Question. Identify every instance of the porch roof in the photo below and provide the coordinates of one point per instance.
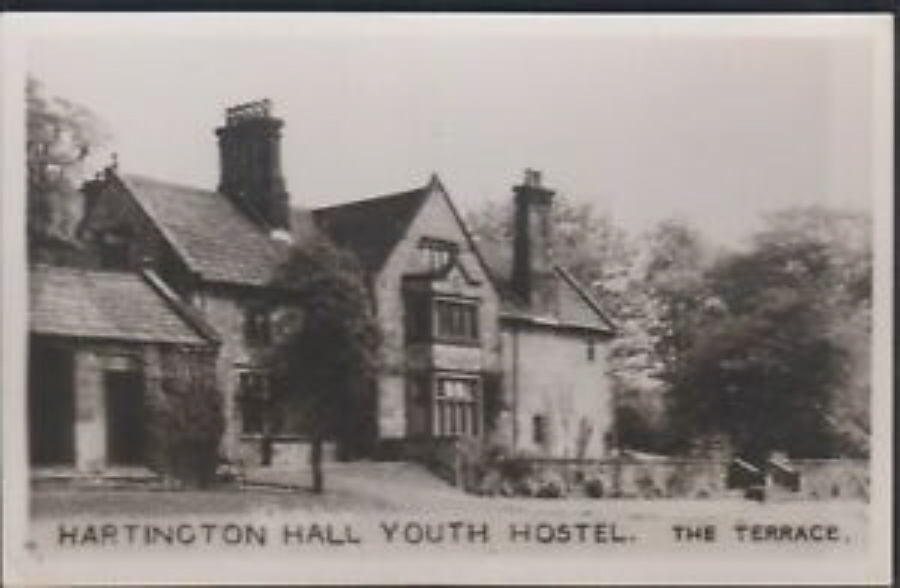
(107, 305)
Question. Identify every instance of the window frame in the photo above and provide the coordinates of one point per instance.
(423, 318)
(438, 253)
(463, 317)
(454, 417)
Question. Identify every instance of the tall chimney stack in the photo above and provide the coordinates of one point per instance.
(532, 275)
(250, 163)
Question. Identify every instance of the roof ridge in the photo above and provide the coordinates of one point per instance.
(371, 199)
(168, 183)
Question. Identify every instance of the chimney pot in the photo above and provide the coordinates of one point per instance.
(250, 156)
(532, 178)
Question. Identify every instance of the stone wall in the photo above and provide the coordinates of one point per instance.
(436, 220)
(225, 308)
(833, 479)
(440, 455)
(91, 362)
(549, 375)
(827, 479)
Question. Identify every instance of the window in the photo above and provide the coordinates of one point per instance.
(438, 253)
(591, 350)
(254, 402)
(456, 320)
(539, 429)
(258, 326)
(442, 319)
(115, 249)
(456, 410)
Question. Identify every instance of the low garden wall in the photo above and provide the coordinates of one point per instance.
(833, 478)
(467, 464)
(603, 478)
(441, 456)
(837, 479)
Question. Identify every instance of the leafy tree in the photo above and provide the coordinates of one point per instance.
(773, 369)
(326, 358)
(664, 299)
(649, 286)
(672, 277)
(186, 421)
(60, 136)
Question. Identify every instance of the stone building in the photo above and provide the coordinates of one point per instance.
(437, 308)
(516, 356)
(556, 381)
(97, 344)
(220, 251)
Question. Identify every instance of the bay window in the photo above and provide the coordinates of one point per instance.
(456, 407)
(443, 319)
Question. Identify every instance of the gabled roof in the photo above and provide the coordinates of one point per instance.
(121, 306)
(371, 228)
(574, 308)
(208, 231)
(577, 306)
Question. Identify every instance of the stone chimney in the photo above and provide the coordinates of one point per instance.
(532, 275)
(250, 163)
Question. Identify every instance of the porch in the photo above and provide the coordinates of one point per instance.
(86, 409)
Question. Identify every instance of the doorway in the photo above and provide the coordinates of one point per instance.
(51, 405)
(124, 418)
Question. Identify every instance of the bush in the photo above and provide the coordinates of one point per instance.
(647, 487)
(186, 421)
(516, 469)
(593, 487)
(550, 485)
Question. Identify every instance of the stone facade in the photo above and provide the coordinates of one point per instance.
(563, 401)
(91, 364)
(224, 307)
(439, 307)
(554, 336)
(413, 365)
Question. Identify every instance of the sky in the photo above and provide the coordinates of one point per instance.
(647, 121)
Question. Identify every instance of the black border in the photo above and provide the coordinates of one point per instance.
(491, 6)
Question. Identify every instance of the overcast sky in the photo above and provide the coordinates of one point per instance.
(653, 123)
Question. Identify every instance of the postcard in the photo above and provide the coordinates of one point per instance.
(408, 298)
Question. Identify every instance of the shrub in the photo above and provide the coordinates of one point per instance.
(186, 420)
(516, 469)
(646, 486)
(550, 485)
(593, 487)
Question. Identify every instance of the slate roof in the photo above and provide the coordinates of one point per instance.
(372, 227)
(107, 305)
(211, 234)
(575, 307)
(219, 241)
